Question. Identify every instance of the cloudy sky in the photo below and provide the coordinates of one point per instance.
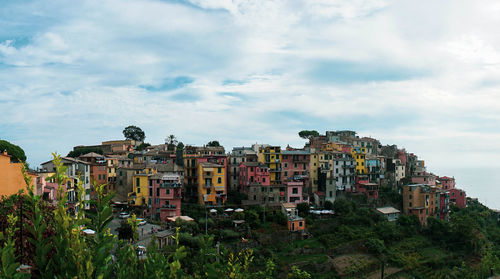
(424, 75)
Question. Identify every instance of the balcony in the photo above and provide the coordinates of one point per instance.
(209, 176)
(169, 206)
(276, 170)
(170, 185)
(209, 185)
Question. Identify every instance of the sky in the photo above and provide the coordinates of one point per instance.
(424, 75)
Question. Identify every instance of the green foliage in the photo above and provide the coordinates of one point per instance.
(343, 206)
(142, 146)
(8, 259)
(134, 133)
(296, 273)
(13, 150)
(303, 209)
(171, 142)
(328, 205)
(179, 159)
(78, 151)
(213, 143)
(308, 134)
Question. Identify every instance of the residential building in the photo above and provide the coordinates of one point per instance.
(165, 194)
(294, 192)
(391, 213)
(363, 185)
(294, 221)
(443, 204)
(253, 173)
(343, 175)
(457, 197)
(265, 195)
(271, 157)
(139, 195)
(371, 145)
(296, 165)
(238, 156)
(447, 183)
(98, 170)
(11, 177)
(193, 156)
(211, 183)
(374, 167)
(419, 200)
(359, 154)
(77, 171)
(423, 177)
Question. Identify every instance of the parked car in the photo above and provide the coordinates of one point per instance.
(124, 215)
(141, 221)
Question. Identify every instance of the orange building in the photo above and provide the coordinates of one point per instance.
(11, 177)
(419, 200)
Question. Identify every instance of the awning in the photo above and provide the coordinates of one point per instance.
(229, 210)
(239, 210)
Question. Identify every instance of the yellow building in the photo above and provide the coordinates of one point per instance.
(359, 154)
(11, 178)
(271, 157)
(314, 170)
(139, 196)
(211, 183)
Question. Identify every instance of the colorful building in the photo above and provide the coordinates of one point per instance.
(165, 194)
(271, 157)
(98, 170)
(253, 173)
(239, 155)
(296, 165)
(77, 171)
(447, 182)
(419, 200)
(294, 192)
(457, 197)
(139, 196)
(11, 177)
(359, 155)
(294, 221)
(193, 156)
(211, 183)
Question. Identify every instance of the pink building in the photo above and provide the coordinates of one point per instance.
(447, 182)
(295, 165)
(457, 197)
(294, 192)
(423, 178)
(252, 173)
(165, 194)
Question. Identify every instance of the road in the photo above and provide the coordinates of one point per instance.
(143, 231)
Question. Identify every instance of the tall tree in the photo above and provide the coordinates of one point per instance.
(134, 133)
(15, 151)
(308, 134)
(171, 141)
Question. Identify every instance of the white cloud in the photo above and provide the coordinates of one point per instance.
(423, 75)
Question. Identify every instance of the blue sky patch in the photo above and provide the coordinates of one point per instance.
(169, 84)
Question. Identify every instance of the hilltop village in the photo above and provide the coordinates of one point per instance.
(341, 206)
(158, 179)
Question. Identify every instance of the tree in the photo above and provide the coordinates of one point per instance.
(308, 134)
(171, 141)
(134, 133)
(179, 159)
(303, 209)
(84, 150)
(343, 206)
(213, 143)
(13, 150)
(328, 205)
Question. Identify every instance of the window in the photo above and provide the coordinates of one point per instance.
(263, 179)
(121, 173)
(295, 190)
(99, 177)
(150, 192)
(300, 223)
(263, 189)
(138, 189)
(286, 173)
(286, 165)
(219, 170)
(410, 205)
(219, 180)
(331, 194)
(150, 182)
(271, 190)
(167, 191)
(157, 191)
(157, 201)
(410, 197)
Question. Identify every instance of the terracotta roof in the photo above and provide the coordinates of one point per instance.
(92, 155)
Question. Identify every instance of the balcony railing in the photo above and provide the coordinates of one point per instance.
(276, 170)
(170, 185)
(169, 206)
